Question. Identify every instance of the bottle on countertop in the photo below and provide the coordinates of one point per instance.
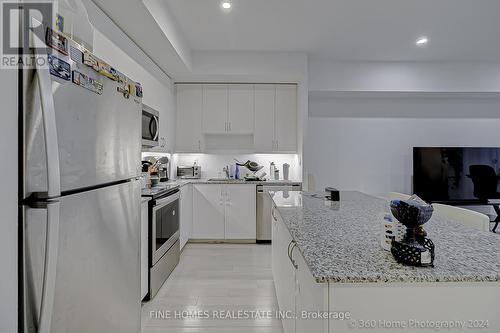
(231, 171)
(272, 170)
(286, 171)
(237, 172)
(276, 174)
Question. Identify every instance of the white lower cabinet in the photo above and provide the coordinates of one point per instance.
(240, 214)
(186, 217)
(297, 291)
(283, 273)
(373, 307)
(224, 211)
(310, 298)
(144, 248)
(208, 212)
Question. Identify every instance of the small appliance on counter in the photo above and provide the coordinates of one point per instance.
(189, 172)
(163, 168)
(414, 249)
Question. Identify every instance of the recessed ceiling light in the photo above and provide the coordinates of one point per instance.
(421, 41)
(226, 4)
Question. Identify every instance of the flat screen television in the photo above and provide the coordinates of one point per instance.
(456, 175)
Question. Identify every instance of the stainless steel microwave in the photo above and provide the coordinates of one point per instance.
(150, 126)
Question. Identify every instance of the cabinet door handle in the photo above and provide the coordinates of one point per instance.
(199, 145)
(274, 216)
(229, 126)
(225, 126)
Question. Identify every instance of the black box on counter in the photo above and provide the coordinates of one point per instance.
(333, 193)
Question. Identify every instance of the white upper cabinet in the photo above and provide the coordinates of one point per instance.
(262, 117)
(228, 109)
(286, 118)
(265, 97)
(275, 118)
(215, 109)
(189, 137)
(241, 109)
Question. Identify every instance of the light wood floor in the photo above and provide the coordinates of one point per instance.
(220, 277)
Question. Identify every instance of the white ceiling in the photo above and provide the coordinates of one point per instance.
(134, 19)
(368, 30)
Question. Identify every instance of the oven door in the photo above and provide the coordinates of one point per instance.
(150, 127)
(164, 225)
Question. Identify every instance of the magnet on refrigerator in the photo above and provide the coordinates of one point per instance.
(56, 41)
(87, 82)
(59, 68)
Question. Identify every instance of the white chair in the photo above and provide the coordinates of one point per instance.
(466, 217)
(397, 196)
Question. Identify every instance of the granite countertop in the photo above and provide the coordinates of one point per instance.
(182, 182)
(340, 242)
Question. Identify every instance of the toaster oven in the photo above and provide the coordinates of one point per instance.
(189, 172)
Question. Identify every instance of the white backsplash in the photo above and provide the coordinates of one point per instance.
(212, 164)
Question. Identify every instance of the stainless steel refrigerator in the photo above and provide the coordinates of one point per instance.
(80, 201)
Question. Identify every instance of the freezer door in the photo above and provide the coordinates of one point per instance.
(82, 262)
(97, 136)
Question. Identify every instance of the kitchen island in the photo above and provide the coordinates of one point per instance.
(327, 257)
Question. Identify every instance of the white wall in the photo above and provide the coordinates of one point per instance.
(404, 76)
(8, 202)
(212, 164)
(115, 47)
(159, 94)
(365, 143)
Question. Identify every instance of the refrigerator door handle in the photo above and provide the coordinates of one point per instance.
(48, 113)
(50, 267)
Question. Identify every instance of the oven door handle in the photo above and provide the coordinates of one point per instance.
(165, 201)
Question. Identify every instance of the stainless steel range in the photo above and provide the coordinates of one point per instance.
(163, 237)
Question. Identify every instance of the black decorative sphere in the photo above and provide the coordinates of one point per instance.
(411, 213)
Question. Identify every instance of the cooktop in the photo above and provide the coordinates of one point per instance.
(158, 190)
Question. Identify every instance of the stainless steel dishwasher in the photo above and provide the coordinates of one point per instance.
(264, 207)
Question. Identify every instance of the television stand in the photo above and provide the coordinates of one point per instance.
(496, 207)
